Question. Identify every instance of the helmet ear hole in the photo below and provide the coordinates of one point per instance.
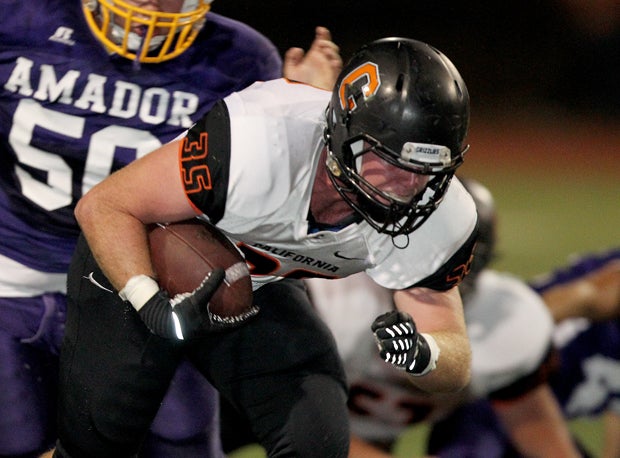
(398, 95)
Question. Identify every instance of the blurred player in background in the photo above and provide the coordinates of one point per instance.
(584, 298)
(510, 330)
(87, 87)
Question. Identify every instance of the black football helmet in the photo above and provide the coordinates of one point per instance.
(404, 101)
(484, 251)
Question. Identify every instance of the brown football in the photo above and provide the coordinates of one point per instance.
(183, 253)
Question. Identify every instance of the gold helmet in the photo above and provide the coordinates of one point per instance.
(143, 35)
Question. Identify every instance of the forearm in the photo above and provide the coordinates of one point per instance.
(440, 315)
(570, 300)
(118, 240)
(536, 425)
(113, 214)
(453, 365)
(596, 296)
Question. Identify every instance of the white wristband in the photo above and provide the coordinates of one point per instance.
(138, 290)
(434, 348)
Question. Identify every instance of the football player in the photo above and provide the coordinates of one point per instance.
(583, 297)
(513, 403)
(309, 183)
(87, 87)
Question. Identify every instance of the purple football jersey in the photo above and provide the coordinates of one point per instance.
(72, 114)
(589, 378)
(588, 381)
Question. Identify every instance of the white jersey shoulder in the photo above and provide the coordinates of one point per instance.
(510, 329)
(276, 135)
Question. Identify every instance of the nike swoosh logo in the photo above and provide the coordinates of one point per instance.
(341, 256)
(91, 279)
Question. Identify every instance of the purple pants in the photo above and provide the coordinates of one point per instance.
(31, 331)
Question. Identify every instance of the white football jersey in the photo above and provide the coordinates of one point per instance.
(508, 324)
(276, 137)
(510, 329)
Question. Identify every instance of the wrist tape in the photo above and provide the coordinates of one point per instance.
(138, 290)
(426, 357)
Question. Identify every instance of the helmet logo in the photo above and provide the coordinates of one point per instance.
(366, 76)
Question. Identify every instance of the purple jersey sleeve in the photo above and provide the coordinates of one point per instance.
(580, 267)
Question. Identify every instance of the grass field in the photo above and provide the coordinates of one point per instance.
(556, 181)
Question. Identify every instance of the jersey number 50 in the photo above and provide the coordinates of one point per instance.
(53, 189)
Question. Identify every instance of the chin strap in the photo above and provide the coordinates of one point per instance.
(136, 62)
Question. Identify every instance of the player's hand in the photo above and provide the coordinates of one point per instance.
(595, 296)
(187, 315)
(319, 67)
(401, 345)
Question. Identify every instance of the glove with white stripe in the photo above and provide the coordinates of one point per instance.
(183, 316)
(401, 345)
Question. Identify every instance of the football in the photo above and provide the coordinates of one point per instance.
(183, 253)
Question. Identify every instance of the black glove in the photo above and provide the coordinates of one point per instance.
(401, 345)
(188, 316)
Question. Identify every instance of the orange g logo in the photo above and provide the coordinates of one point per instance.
(368, 75)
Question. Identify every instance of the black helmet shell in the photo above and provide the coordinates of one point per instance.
(408, 104)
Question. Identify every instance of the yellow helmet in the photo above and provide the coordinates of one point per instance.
(143, 35)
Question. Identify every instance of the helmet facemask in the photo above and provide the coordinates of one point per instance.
(386, 211)
(143, 35)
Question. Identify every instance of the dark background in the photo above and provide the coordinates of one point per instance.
(509, 52)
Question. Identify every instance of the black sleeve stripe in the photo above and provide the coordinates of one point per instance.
(205, 162)
(454, 270)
